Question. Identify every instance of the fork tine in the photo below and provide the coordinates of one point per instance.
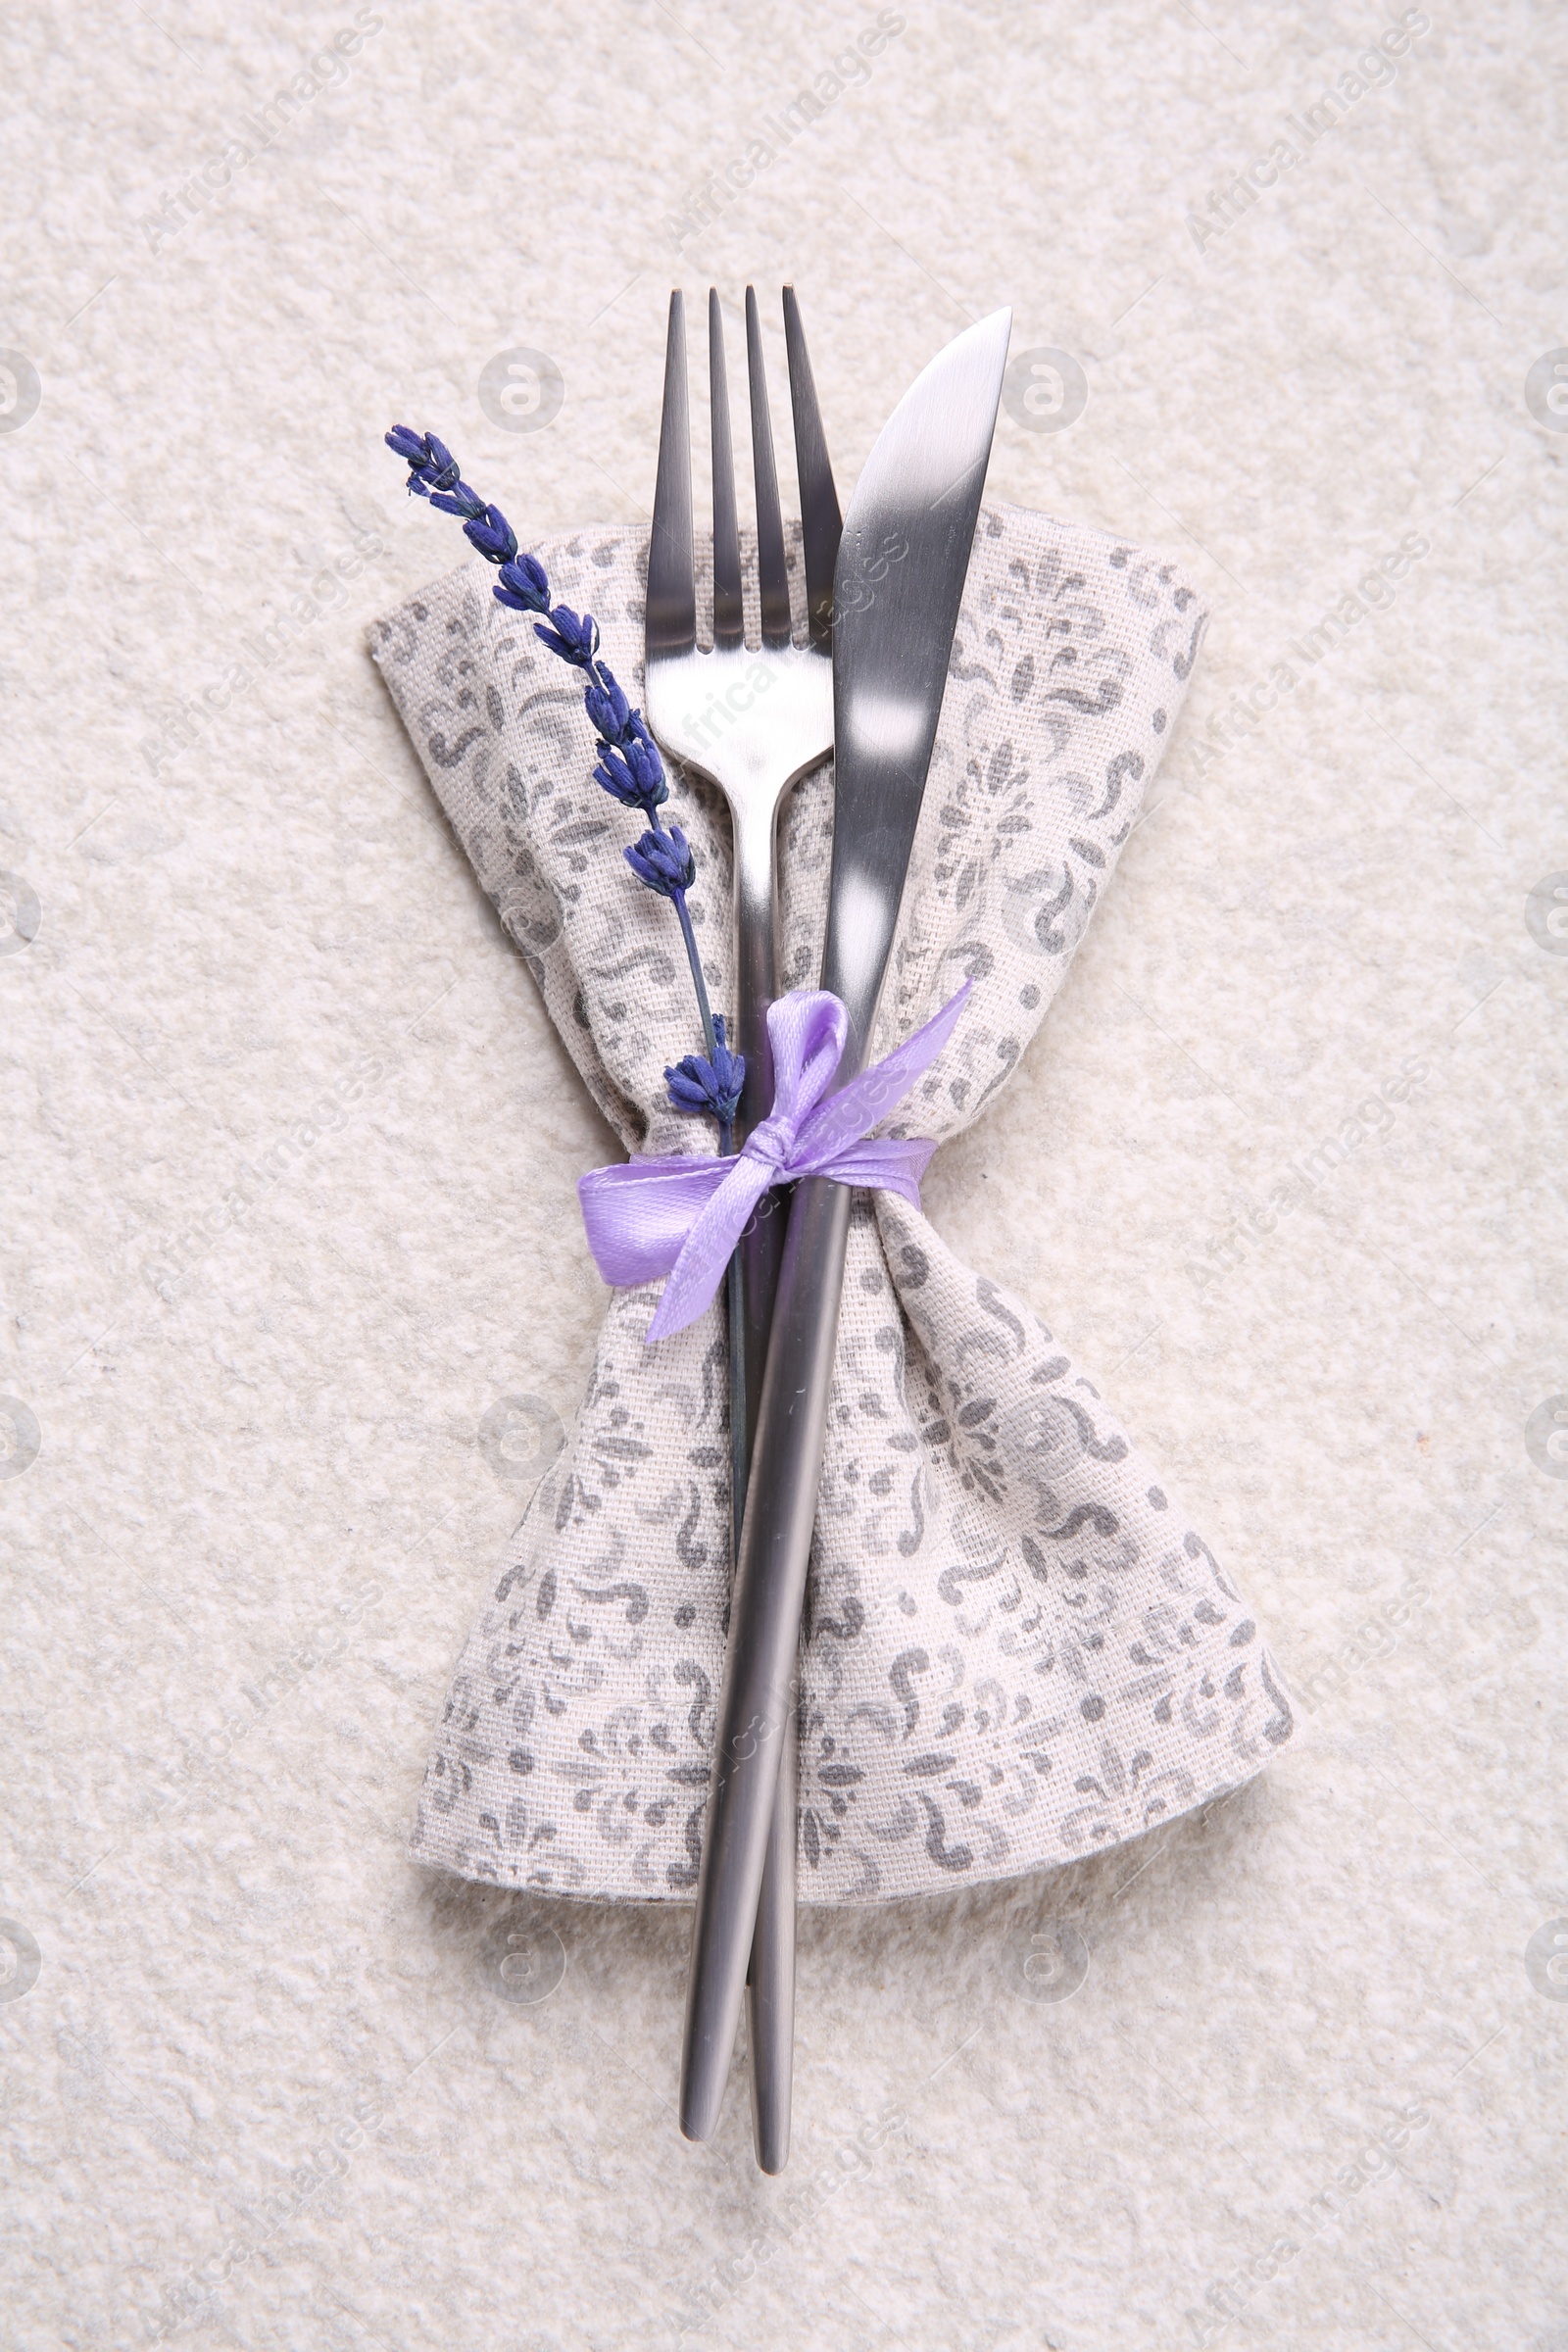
(671, 624)
(728, 624)
(821, 524)
(772, 578)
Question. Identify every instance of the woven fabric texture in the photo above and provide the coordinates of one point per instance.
(1018, 1647)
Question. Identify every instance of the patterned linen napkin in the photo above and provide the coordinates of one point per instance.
(1018, 1648)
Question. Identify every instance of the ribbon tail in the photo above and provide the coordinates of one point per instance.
(638, 1214)
(700, 1267)
(845, 1117)
(884, 1164)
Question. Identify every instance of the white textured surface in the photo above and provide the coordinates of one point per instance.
(240, 1564)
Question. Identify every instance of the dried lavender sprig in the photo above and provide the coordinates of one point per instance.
(630, 770)
(629, 767)
(638, 777)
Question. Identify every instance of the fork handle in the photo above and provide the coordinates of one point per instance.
(770, 1976)
(759, 1689)
(761, 1245)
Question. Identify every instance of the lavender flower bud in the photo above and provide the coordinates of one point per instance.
(460, 500)
(524, 585)
(408, 445)
(700, 1084)
(442, 470)
(635, 776)
(617, 778)
(607, 708)
(572, 639)
(663, 861)
(493, 535)
(640, 755)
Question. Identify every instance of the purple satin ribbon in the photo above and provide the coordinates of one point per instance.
(683, 1217)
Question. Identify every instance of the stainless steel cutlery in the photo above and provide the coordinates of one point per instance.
(882, 597)
(898, 582)
(754, 721)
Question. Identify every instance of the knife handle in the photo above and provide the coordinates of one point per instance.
(759, 1694)
(770, 1978)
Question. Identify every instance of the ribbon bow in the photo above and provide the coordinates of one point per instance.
(683, 1217)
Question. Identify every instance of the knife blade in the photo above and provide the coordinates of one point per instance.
(899, 576)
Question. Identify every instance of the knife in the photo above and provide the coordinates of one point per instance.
(896, 587)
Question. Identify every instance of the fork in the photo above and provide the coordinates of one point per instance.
(754, 723)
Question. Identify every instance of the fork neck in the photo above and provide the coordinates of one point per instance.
(755, 954)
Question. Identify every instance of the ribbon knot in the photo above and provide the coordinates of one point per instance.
(772, 1143)
(683, 1217)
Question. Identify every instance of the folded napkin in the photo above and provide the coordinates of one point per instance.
(1018, 1647)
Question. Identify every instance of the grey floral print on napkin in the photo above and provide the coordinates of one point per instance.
(1018, 1649)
